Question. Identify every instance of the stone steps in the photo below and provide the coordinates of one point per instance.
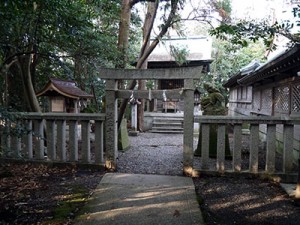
(166, 125)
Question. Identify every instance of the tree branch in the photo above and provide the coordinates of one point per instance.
(148, 51)
(147, 36)
(163, 31)
(133, 2)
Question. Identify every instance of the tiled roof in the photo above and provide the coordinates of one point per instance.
(285, 64)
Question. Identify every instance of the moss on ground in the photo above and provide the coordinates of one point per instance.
(70, 204)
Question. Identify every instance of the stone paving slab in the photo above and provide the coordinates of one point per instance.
(132, 199)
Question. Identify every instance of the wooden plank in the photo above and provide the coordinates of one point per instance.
(5, 137)
(247, 119)
(271, 149)
(205, 146)
(16, 142)
(51, 139)
(39, 139)
(254, 142)
(288, 138)
(221, 149)
(16, 146)
(64, 116)
(28, 139)
(73, 140)
(61, 140)
(99, 142)
(151, 74)
(86, 146)
(237, 148)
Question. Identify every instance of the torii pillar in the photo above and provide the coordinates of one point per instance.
(112, 93)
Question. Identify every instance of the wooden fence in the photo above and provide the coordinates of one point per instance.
(65, 137)
(55, 137)
(235, 123)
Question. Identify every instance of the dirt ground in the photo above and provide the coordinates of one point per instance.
(245, 200)
(39, 194)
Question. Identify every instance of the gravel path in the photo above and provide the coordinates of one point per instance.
(152, 153)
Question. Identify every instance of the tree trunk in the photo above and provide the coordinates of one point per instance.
(147, 51)
(123, 37)
(148, 25)
(124, 33)
(24, 65)
(78, 69)
(81, 74)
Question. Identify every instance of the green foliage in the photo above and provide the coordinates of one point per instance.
(150, 84)
(10, 126)
(229, 58)
(90, 109)
(226, 6)
(180, 54)
(10, 123)
(244, 32)
(59, 32)
(223, 7)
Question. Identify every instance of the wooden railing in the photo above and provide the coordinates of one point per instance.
(56, 137)
(65, 137)
(270, 123)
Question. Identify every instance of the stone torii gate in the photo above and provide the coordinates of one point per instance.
(112, 76)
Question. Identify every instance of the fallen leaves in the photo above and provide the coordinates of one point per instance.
(30, 192)
(176, 213)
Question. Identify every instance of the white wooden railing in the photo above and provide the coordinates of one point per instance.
(57, 137)
(270, 123)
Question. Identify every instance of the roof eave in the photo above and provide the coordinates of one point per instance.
(232, 81)
(51, 87)
(269, 69)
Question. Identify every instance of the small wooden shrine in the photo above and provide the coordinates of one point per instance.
(64, 96)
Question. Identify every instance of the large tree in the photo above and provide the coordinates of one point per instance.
(147, 28)
(172, 7)
(39, 39)
(241, 32)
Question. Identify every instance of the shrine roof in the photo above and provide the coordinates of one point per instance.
(197, 49)
(283, 65)
(65, 88)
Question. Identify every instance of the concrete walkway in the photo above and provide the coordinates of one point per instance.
(133, 199)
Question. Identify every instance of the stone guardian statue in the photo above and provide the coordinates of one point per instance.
(213, 104)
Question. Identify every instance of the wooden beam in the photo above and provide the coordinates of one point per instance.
(151, 74)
